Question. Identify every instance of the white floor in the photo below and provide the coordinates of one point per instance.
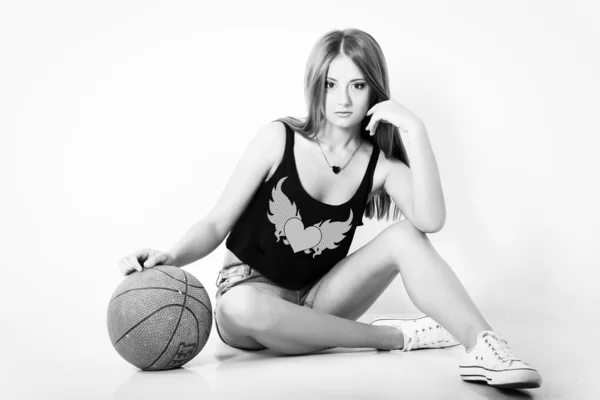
(89, 368)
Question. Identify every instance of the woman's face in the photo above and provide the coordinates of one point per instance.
(346, 90)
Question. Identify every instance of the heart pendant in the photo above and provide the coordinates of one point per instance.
(335, 169)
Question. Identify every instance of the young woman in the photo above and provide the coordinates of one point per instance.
(291, 208)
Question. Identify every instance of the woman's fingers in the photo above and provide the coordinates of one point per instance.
(129, 263)
(372, 109)
(157, 258)
(124, 266)
(148, 257)
(133, 262)
(152, 261)
(374, 129)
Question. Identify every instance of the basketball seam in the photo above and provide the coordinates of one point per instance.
(176, 326)
(162, 288)
(178, 280)
(197, 333)
(144, 319)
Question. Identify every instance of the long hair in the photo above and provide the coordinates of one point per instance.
(366, 53)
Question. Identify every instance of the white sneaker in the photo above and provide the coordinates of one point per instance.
(492, 362)
(419, 333)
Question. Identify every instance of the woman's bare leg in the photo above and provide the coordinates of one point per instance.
(292, 329)
(349, 290)
(251, 321)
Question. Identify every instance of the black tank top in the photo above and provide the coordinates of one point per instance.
(288, 236)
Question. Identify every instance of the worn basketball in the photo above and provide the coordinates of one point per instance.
(160, 318)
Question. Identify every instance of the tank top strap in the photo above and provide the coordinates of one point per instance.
(289, 142)
(371, 167)
(363, 196)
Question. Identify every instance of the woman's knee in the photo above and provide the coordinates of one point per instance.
(242, 307)
(402, 233)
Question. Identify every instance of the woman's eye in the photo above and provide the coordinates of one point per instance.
(360, 85)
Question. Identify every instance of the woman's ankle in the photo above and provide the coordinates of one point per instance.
(391, 338)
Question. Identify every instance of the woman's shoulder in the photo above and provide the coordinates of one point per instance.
(273, 139)
(275, 135)
(271, 133)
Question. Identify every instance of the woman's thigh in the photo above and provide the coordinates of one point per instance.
(348, 290)
(233, 331)
(351, 287)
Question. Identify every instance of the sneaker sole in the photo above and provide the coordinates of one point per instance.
(394, 318)
(412, 319)
(517, 379)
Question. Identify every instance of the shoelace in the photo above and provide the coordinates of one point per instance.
(500, 348)
(424, 337)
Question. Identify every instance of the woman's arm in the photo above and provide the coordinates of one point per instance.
(428, 208)
(199, 240)
(428, 198)
(251, 170)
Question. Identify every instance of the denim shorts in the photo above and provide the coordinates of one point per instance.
(239, 273)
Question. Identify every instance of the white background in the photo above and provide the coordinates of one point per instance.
(121, 121)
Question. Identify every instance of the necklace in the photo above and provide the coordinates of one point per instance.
(336, 169)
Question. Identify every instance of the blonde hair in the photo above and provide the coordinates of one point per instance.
(366, 53)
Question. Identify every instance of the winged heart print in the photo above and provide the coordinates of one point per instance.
(285, 216)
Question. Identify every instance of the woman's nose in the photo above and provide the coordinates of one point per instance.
(344, 98)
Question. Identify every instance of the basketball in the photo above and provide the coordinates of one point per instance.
(160, 318)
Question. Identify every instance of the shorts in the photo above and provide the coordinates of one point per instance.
(239, 273)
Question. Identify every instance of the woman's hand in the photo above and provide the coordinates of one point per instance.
(148, 257)
(394, 113)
